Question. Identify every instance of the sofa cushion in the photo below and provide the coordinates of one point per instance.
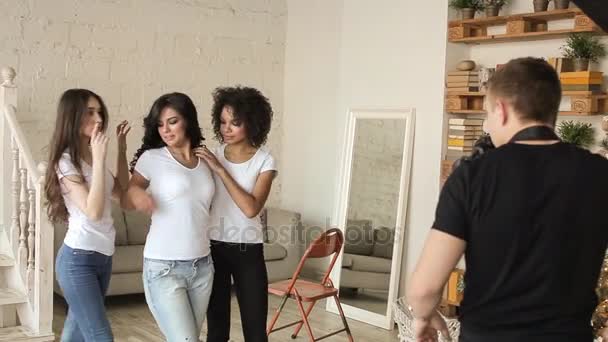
(347, 260)
(384, 239)
(119, 224)
(128, 259)
(281, 226)
(138, 225)
(358, 237)
(274, 252)
(363, 263)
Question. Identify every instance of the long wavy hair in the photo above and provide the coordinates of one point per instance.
(182, 104)
(73, 106)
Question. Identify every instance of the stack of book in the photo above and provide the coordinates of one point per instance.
(462, 81)
(462, 134)
(583, 81)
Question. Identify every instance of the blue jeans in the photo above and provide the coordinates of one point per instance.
(177, 293)
(84, 277)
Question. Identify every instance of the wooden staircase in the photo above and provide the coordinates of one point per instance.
(26, 236)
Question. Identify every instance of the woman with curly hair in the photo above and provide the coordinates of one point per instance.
(244, 171)
(173, 185)
(78, 187)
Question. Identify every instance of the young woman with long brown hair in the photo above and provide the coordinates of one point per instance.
(78, 189)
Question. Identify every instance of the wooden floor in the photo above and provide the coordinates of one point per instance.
(132, 322)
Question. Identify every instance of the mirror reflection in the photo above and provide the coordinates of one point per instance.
(372, 213)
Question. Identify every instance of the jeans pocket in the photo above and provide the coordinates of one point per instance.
(156, 270)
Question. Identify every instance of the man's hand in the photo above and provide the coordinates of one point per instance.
(425, 330)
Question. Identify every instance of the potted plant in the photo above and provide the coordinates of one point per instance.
(583, 48)
(492, 7)
(561, 4)
(577, 133)
(467, 7)
(604, 147)
(541, 5)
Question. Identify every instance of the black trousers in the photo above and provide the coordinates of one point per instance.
(245, 263)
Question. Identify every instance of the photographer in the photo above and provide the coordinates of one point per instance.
(528, 216)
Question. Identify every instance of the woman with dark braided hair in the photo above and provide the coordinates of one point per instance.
(171, 183)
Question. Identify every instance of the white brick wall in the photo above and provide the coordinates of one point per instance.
(376, 171)
(132, 51)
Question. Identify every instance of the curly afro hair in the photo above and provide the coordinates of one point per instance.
(249, 106)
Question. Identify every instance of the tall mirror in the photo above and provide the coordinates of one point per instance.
(371, 212)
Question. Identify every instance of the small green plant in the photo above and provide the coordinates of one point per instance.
(583, 46)
(577, 133)
(497, 3)
(477, 5)
(460, 284)
(604, 144)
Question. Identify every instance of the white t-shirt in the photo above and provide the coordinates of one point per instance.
(183, 199)
(84, 233)
(229, 223)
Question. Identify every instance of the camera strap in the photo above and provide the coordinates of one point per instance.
(535, 133)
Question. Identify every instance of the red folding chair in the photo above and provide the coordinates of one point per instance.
(325, 245)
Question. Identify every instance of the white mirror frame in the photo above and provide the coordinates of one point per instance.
(341, 209)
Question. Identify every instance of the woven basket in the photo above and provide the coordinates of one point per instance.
(404, 319)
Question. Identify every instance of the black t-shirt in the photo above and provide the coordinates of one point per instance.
(535, 220)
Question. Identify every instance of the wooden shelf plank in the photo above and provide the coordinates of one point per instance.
(594, 95)
(501, 20)
(528, 36)
(571, 113)
(483, 112)
(564, 93)
(465, 93)
(468, 111)
(483, 21)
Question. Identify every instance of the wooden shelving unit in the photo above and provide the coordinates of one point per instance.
(519, 27)
(583, 103)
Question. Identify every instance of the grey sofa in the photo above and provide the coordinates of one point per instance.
(367, 259)
(281, 254)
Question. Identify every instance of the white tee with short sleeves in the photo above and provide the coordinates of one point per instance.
(84, 233)
(179, 229)
(229, 223)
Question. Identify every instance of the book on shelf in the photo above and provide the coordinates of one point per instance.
(473, 136)
(461, 142)
(584, 93)
(581, 74)
(465, 122)
(459, 129)
(452, 157)
(460, 148)
(581, 80)
(462, 89)
(462, 84)
(462, 78)
(597, 88)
